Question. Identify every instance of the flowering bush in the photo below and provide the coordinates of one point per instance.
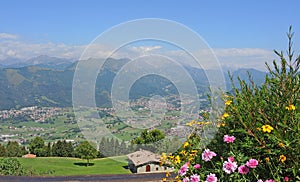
(258, 137)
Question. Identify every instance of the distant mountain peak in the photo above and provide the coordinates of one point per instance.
(43, 61)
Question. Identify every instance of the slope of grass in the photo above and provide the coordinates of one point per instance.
(55, 166)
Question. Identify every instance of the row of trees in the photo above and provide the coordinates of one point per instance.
(148, 140)
(12, 149)
(84, 150)
(38, 147)
(107, 147)
(59, 149)
(112, 147)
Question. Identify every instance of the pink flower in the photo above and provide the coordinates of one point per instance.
(228, 139)
(286, 178)
(195, 178)
(260, 180)
(270, 180)
(231, 159)
(252, 163)
(243, 169)
(197, 166)
(182, 171)
(207, 155)
(229, 167)
(186, 179)
(211, 178)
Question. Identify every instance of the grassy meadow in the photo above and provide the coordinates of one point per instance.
(57, 166)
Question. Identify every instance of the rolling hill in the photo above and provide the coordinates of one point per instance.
(49, 83)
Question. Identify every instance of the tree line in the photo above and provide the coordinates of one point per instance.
(12, 149)
(148, 140)
(37, 146)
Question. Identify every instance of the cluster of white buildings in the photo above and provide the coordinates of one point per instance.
(37, 114)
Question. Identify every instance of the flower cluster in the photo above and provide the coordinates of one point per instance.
(229, 167)
(189, 172)
(290, 107)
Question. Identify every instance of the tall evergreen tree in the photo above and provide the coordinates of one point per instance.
(116, 145)
(23, 150)
(48, 150)
(123, 148)
(102, 147)
(13, 149)
(69, 149)
(2, 151)
(56, 149)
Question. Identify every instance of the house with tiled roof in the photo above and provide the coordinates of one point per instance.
(144, 161)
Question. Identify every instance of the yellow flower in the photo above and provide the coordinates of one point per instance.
(267, 128)
(191, 158)
(282, 158)
(177, 159)
(183, 152)
(185, 144)
(225, 115)
(200, 123)
(222, 124)
(281, 144)
(164, 156)
(228, 102)
(168, 174)
(267, 159)
(191, 123)
(291, 107)
(192, 155)
(171, 157)
(188, 124)
(194, 151)
(164, 179)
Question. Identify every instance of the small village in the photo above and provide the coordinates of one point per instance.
(25, 123)
(35, 113)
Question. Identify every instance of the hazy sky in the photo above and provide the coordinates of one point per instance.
(239, 31)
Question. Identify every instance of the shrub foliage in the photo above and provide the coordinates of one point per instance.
(263, 123)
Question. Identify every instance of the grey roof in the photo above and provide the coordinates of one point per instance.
(142, 157)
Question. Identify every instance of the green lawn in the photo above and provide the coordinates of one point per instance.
(55, 166)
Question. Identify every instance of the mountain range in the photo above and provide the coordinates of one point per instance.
(42, 61)
(47, 81)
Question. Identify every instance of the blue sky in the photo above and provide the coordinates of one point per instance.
(229, 24)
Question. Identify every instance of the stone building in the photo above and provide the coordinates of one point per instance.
(144, 161)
